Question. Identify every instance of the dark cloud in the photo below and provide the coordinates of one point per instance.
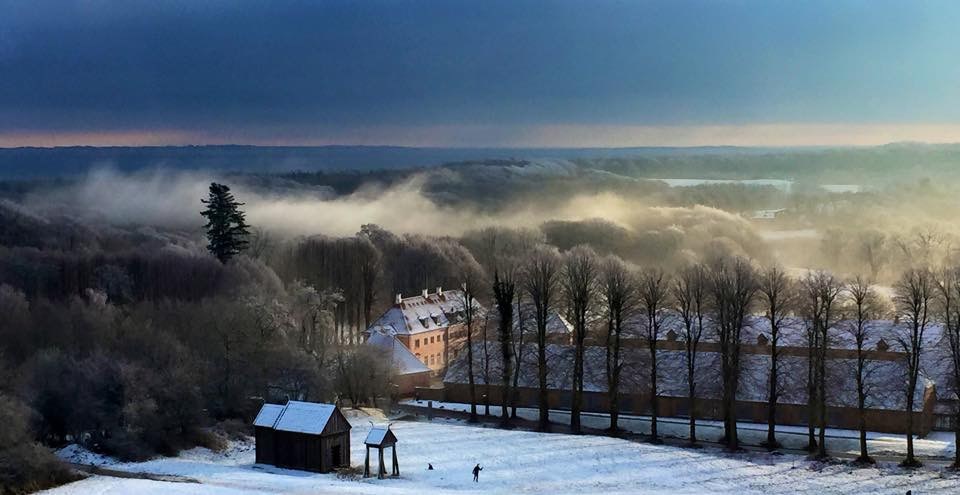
(270, 66)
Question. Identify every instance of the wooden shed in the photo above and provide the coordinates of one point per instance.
(302, 435)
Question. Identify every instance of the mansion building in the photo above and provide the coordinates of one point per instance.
(430, 325)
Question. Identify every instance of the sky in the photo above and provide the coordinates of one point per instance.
(479, 73)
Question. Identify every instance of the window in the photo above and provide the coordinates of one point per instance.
(431, 359)
(431, 340)
(416, 344)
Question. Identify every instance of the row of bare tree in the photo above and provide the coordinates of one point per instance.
(604, 298)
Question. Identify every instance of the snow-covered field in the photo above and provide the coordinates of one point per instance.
(517, 462)
(936, 445)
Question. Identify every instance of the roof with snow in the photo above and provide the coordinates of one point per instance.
(297, 417)
(380, 436)
(793, 332)
(423, 313)
(268, 415)
(404, 361)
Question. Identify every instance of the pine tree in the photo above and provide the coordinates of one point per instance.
(226, 226)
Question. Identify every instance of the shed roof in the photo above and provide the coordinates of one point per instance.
(297, 417)
(380, 436)
(268, 415)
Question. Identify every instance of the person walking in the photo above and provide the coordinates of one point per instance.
(476, 473)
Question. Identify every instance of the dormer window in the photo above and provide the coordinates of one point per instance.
(762, 339)
(882, 346)
(672, 336)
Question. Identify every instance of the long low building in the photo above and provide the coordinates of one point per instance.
(886, 378)
(408, 372)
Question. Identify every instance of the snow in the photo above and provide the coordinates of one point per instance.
(79, 455)
(404, 361)
(419, 314)
(519, 462)
(376, 435)
(304, 417)
(268, 415)
(937, 444)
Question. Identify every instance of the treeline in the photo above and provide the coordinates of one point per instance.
(607, 300)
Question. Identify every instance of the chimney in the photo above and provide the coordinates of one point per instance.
(424, 293)
(439, 291)
(399, 299)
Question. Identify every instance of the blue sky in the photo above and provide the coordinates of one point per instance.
(479, 73)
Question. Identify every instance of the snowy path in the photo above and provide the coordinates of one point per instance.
(521, 462)
(938, 445)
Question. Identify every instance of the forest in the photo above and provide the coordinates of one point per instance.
(123, 330)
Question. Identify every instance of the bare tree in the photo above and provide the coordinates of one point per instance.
(873, 249)
(619, 290)
(518, 349)
(820, 291)
(864, 306)
(732, 289)
(914, 295)
(579, 280)
(653, 293)
(777, 297)
(540, 281)
(470, 322)
(503, 291)
(689, 296)
(948, 288)
(486, 364)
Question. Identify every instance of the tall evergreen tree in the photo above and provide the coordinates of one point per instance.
(226, 227)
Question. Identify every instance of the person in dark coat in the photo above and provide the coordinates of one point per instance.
(476, 473)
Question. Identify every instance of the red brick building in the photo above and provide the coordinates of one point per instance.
(430, 325)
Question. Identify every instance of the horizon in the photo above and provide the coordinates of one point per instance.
(799, 147)
(499, 74)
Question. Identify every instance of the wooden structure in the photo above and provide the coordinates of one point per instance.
(381, 438)
(302, 435)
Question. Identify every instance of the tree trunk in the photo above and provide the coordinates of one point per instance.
(577, 387)
(772, 399)
(615, 386)
(654, 394)
(544, 419)
(910, 461)
(822, 398)
(956, 440)
(470, 380)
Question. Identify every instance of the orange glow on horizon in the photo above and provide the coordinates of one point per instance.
(543, 136)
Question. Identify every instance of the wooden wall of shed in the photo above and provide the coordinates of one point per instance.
(310, 452)
(337, 424)
(327, 445)
(264, 444)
